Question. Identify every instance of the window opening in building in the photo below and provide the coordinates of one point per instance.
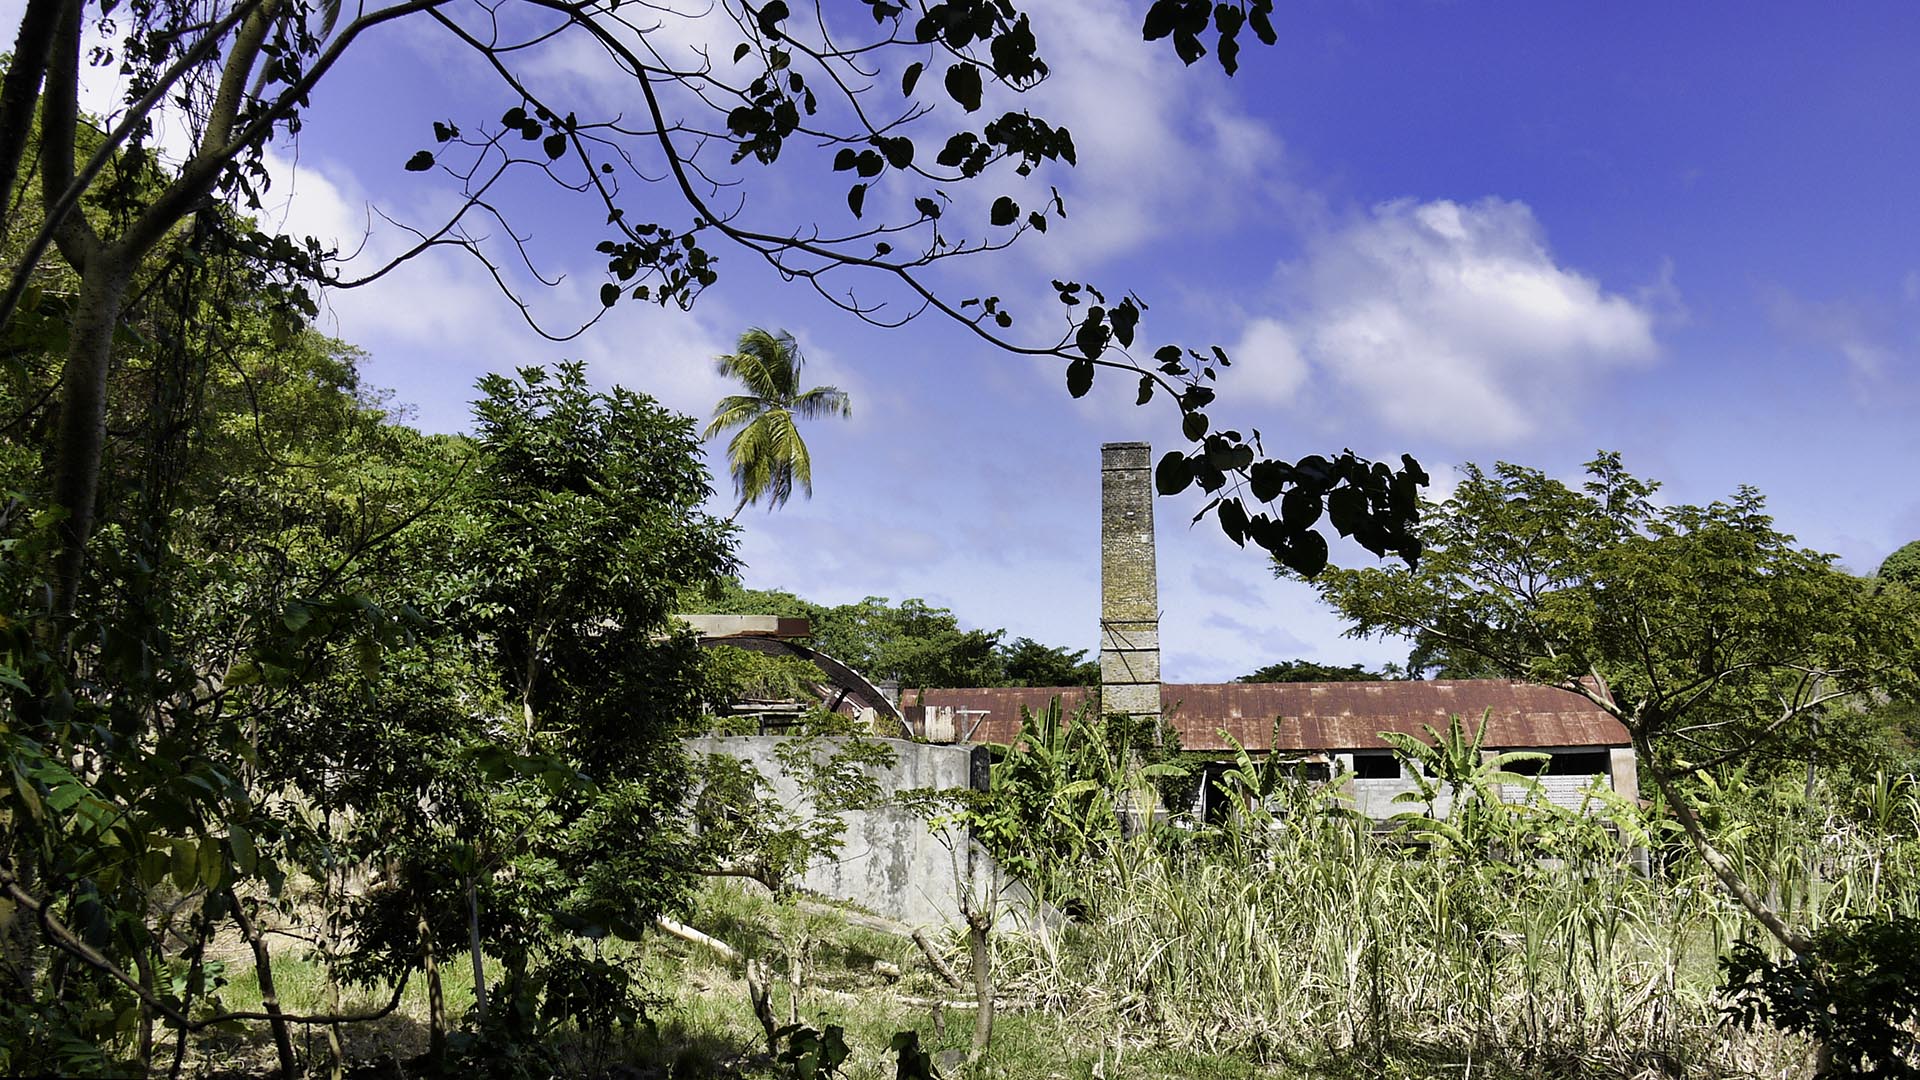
(1376, 767)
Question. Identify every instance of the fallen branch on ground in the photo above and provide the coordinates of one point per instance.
(689, 934)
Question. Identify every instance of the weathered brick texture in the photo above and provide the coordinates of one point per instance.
(1129, 589)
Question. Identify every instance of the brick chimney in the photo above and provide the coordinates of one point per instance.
(1129, 589)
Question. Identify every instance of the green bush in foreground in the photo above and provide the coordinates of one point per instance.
(1857, 992)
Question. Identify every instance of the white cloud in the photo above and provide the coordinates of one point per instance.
(1448, 321)
(1874, 337)
(1155, 143)
(1267, 361)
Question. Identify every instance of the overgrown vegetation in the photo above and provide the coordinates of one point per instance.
(915, 643)
(328, 742)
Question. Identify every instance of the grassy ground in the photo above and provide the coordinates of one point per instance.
(704, 1026)
(871, 985)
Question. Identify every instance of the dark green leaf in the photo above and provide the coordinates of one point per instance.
(1347, 509)
(1306, 555)
(1300, 510)
(1268, 477)
(1233, 521)
(911, 78)
(555, 145)
(856, 198)
(1091, 338)
(1173, 474)
(1124, 318)
(421, 161)
(1079, 377)
(1160, 19)
(963, 85)
(771, 13)
(1260, 18)
(1004, 211)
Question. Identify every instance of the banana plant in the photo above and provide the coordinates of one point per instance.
(1452, 765)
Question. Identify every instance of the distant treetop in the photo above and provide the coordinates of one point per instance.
(1903, 565)
(1308, 671)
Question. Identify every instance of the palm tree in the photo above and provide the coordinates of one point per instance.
(767, 454)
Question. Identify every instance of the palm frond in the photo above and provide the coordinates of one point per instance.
(822, 401)
(732, 411)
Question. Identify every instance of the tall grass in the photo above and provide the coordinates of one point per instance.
(1307, 938)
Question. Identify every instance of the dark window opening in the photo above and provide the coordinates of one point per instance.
(1580, 763)
(1376, 767)
(1312, 772)
(1570, 763)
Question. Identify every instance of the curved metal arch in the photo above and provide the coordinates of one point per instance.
(843, 678)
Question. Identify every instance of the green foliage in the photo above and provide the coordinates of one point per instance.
(737, 675)
(1290, 671)
(1702, 628)
(1903, 565)
(922, 646)
(1856, 993)
(1065, 788)
(1450, 768)
(914, 642)
(913, 1063)
(767, 456)
(811, 1054)
(748, 832)
(1026, 662)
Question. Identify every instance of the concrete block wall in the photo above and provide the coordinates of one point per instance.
(891, 862)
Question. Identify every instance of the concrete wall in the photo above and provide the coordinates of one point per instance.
(891, 862)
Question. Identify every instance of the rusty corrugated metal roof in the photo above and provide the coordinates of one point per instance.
(1321, 716)
(1002, 705)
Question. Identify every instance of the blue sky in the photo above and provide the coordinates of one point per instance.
(1470, 231)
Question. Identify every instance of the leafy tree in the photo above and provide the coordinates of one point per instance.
(767, 455)
(1705, 631)
(738, 675)
(1308, 671)
(915, 642)
(1026, 662)
(1903, 565)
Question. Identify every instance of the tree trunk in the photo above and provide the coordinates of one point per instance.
(436, 997)
(329, 951)
(1717, 861)
(143, 966)
(473, 947)
(21, 91)
(269, 998)
(978, 926)
(761, 996)
(82, 436)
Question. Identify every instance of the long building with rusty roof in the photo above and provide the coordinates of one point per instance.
(1333, 725)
